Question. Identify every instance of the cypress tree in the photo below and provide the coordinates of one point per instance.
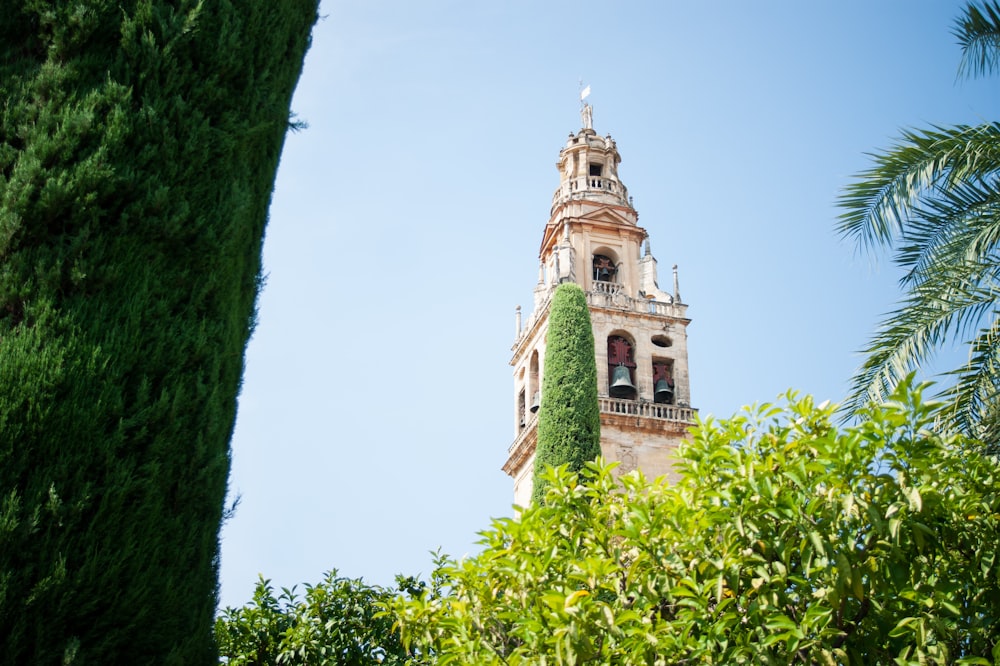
(139, 141)
(569, 419)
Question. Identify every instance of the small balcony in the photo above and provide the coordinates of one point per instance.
(596, 188)
(647, 410)
(639, 408)
(607, 295)
(605, 288)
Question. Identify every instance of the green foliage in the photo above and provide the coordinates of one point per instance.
(339, 622)
(785, 541)
(138, 145)
(978, 33)
(935, 198)
(569, 419)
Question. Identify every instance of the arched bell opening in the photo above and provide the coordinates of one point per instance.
(604, 269)
(663, 382)
(621, 368)
(521, 417)
(534, 383)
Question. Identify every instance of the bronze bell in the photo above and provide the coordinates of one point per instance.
(663, 392)
(535, 402)
(621, 383)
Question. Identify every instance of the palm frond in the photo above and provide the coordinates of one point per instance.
(944, 305)
(951, 226)
(975, 397)
(881, 201)
(978, 33)
(934, 198)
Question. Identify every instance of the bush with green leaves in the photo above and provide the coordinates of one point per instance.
(339, 622)
(569, 419)
(139, 141)
(785, 541)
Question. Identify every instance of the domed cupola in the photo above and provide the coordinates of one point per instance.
(588, 168)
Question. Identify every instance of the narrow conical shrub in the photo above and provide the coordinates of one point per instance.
(139, 141)
(569, 420)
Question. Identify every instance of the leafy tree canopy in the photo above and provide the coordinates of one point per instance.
(785, 541)
(337, 622)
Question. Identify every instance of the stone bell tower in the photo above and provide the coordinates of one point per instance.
(640, 332)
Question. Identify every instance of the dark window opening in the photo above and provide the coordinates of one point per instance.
(595, 169)
(621, 368)
(536, 398)
(663, 382)
(520, 411)
(662, 341)
(604, 268)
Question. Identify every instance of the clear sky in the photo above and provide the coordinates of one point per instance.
(377, 402)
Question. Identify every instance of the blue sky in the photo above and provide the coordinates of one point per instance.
(405, 223)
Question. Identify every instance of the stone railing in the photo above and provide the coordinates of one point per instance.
(640, 408)
(608, 297)
(577, 188)
(539, 310)
(648, 410)
(529, 423)
(606, 288)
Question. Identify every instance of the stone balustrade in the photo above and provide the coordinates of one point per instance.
(526, 429)
(606, 288)
(647, 410)
(640, 408)
(608, 295)
(581, 187)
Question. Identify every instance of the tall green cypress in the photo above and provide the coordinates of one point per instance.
(569, 418)
(139, 141)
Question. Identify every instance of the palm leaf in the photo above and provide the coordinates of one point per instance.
(946, 304)
(953, 226)
(882, 200)
(978, 33)
(975, 396)
(934, 197)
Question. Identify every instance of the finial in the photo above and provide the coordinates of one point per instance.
(647, 247)
(677, 289)
(586, 110)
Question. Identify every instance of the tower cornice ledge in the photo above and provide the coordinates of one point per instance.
(576, 216)
(522, 449)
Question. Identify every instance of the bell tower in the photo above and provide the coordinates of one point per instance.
(593, 238)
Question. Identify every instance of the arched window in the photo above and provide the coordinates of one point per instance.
(663, 382)
(621, 368)
(604, 268)
(534, 383)
(521, 417)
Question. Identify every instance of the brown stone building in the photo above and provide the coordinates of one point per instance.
(640, 332)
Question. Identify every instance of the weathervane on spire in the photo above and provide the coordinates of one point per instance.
(586, 110)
